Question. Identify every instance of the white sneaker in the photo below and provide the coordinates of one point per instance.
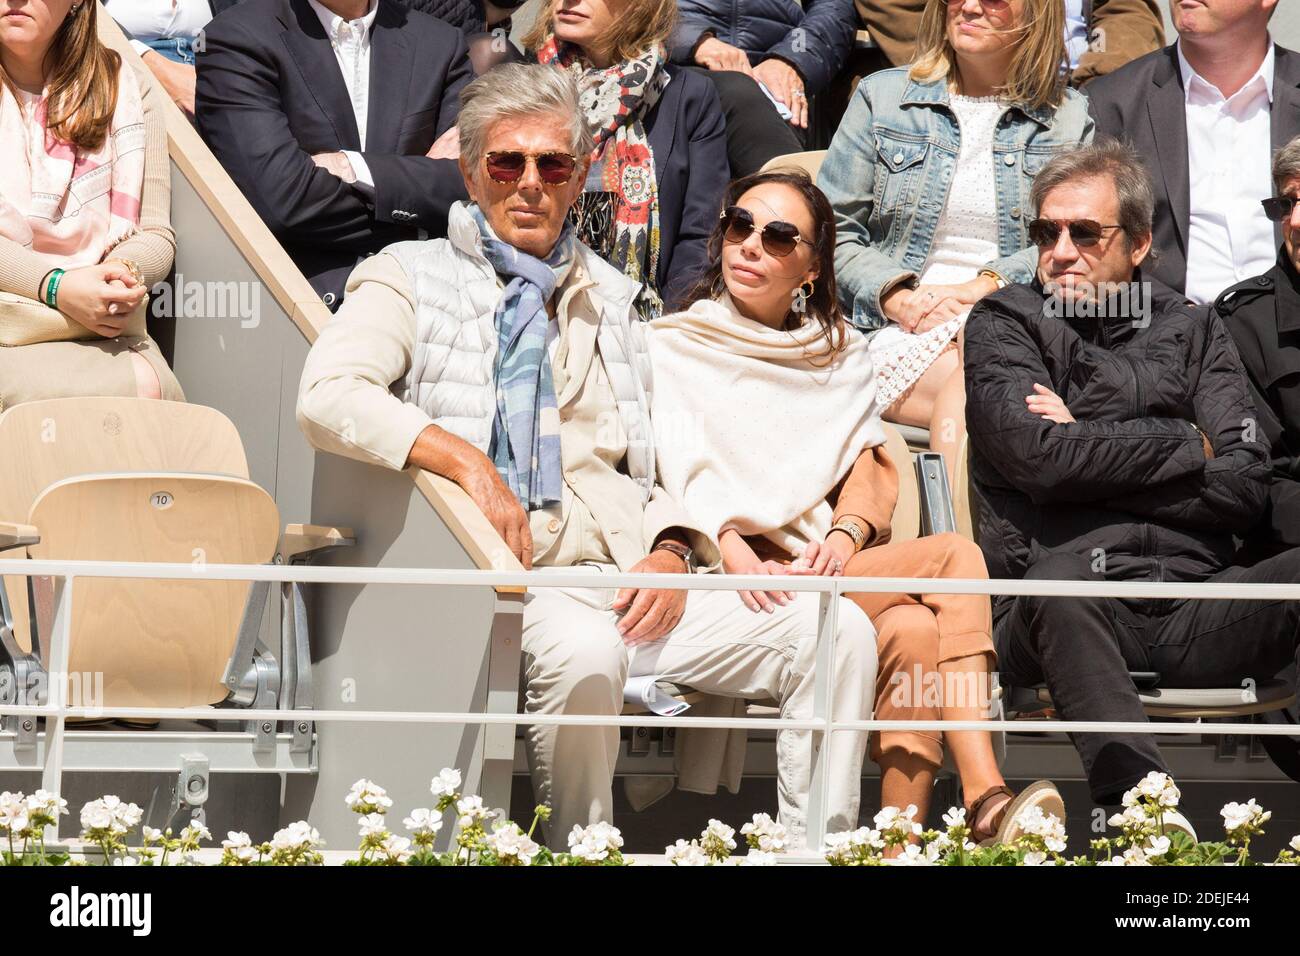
(1175, 821)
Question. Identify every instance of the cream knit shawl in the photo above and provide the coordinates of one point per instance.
(753, 426)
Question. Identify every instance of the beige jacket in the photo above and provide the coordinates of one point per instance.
(346, 406)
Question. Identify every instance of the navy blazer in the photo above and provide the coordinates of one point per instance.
(687, 135)
(270, 95)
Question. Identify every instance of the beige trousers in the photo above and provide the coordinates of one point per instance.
(576, 663)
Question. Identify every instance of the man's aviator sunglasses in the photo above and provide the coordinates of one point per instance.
(508, 165)
(779, 238)
(1083, 232)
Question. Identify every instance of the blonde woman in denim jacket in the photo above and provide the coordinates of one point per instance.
(929, 174)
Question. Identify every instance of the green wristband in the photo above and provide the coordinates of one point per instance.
(52, 289)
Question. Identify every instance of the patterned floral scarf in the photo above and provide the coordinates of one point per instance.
(616, 101)
(526, 428)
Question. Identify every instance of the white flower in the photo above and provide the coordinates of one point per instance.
(368, 797)
(126, 861)
(1035, 859)
(899, 822)
(194, 833)
(1046, 826)
(682, 853)
(852, 844)
(1157, 846)
(1237, 816)
(764, 833)
(446, 783)
(95, 816)
(912, 855)
(758, 858)
(1134, 856)
(718, 839)
(936, 847)
(13, 812)
(397, 849)
(470, 810)
(423, 821)
(240, 846)
(512, 845)
(596, 842)
(46, 803)
(955, 817)
(299, 835)
(1295, 843)
(372, 825)
(150, 834)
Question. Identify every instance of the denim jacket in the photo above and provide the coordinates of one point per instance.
(888, 171)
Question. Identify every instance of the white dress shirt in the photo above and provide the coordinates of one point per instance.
(159, 19)
(1229, 151)
(351, 42)
(1076, 32)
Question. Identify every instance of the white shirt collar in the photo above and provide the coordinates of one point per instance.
(1190, 75)
(332, 22)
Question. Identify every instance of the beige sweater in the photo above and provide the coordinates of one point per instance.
(152, 248)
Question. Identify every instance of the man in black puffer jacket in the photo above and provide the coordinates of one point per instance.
(1113, 438)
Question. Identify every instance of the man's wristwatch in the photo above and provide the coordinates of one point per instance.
(679, 549)
(998, 281)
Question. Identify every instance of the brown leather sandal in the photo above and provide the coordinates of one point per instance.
(1040, 793)
(982, 836)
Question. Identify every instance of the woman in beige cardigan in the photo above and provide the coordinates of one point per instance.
(84, 202)
(767, 430)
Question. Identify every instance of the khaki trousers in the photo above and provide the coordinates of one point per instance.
(576, 663)
(918, 632)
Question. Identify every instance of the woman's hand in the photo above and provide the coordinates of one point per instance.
(784, 82)
(739, 558)
(830, 557)
(100, 297)
(716, 55)
(1047, 404)
(930, 305)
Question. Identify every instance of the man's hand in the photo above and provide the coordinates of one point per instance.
(1047, 404)
(337, 164)
(651, 613)
(716, 55)
(177, 79)
(446, 146)
(498, 503)
(785, 83)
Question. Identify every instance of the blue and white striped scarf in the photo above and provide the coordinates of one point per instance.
(526, 429)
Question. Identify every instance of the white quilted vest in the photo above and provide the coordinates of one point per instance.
(452, 368)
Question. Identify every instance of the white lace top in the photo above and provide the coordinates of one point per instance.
(966, 239)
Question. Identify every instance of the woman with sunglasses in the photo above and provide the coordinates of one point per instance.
(768, 431)
(660, 161)
(929, 174)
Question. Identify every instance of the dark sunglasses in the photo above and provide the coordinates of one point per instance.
(1083, 232)
(1278, 208)
(554, 169)
(779, 238)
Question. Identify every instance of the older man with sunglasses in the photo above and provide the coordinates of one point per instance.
(1113, 439)
(507, 357)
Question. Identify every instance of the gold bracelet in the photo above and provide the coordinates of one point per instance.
(853, 531)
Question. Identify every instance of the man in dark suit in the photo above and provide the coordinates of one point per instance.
(324, 112)
(1206, 114)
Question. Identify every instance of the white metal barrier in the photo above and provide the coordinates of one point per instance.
(57, 711)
